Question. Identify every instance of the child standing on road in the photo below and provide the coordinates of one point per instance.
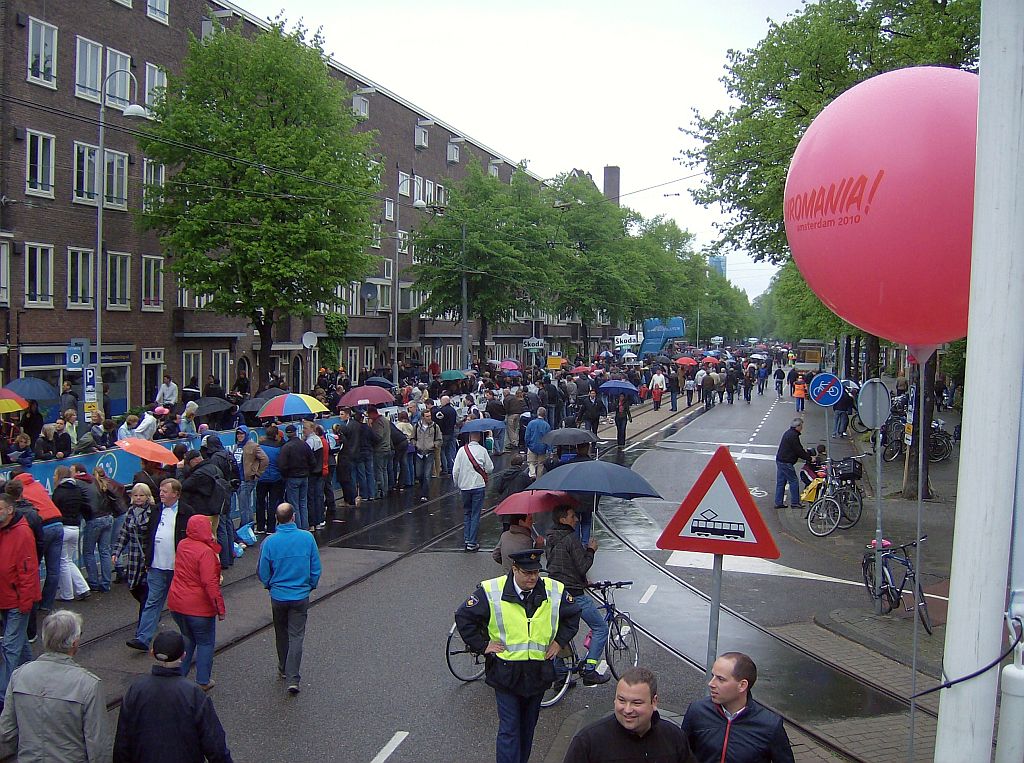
(800, 392)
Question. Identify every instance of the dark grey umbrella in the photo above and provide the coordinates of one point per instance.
(568, 436)
(596, 478)
(379, 381)
(253, 404)
(270, 392)
(663, 359)
(211, 405)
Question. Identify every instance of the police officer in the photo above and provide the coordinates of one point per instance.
(520, 622)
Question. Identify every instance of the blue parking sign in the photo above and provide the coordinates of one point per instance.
(75, 357)
(826, 389)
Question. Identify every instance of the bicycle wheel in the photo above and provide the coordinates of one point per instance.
(893, 449)
(922, 609)
(623, 649)
(867, 566)
(566, 665)
(463, 663)
(823, 517)
(857, 425)
(851, 505)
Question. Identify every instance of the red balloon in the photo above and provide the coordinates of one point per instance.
(879, 204)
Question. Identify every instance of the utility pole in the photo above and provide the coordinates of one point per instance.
(465, 304)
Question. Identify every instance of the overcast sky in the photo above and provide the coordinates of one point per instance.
(561, 83)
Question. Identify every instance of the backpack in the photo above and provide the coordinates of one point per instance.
(399, 440)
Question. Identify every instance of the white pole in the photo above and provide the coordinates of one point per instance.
(981, 543)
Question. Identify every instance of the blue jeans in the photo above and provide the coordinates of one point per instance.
(15, 645)
(315, 499)
(362, 475)
(295, 493)
(786, 474)
(674, 396)
(472, 503)
(159, 582)
(449, 449)
(246, 493)
(586, 524)
(424, 466)
(800, 404)
(517, 720)
(409, 469)
(499, 439)
(842, 421)
(200, 634)
(97, 533)
(594, 617)
(115, 531)
(53, 541)
(381, 462)
(226, 539)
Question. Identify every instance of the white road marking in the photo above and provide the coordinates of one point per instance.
(667, 426)
(727, 444)
(648, 594)
(648, 437)
(626, 450)
(390, 747)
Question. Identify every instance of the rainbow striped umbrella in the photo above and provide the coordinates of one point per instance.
(291, 404)
(11, 402)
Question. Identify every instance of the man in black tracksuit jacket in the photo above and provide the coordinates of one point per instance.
(790, 451)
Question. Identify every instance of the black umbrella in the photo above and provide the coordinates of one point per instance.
(596, 478)
(211, 405)
(253, 404)
(379, 381)
(270, 392)
(568, 436)
(663, 359)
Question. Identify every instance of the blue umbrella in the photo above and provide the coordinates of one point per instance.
(32, 388)
(379, 381)
(482, 425)
(513, 373)
(615, 386)
(596, 478)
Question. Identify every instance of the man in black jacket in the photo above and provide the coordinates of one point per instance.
(730, 725)
(166, 717)
(634, 731)
(591, 410)
(790, 451)
(568, 563)
(446, 417)
(517, 670)
(167, 523)
(295, 462)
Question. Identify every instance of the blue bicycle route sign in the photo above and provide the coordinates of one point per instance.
(825, 389)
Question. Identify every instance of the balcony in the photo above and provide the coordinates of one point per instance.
(203, 324)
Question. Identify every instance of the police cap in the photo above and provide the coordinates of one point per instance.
(528, 561)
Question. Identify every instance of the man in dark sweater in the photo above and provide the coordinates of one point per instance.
(790, 451)
(634, 731)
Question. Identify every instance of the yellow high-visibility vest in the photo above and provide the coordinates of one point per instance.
(525, 638)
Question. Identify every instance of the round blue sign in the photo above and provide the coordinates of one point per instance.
(826, 389)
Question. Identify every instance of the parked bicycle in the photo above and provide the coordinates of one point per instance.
(622, 650)
(891, 594)
(836, 498)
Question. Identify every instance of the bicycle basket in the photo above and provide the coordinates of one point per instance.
(849, 469)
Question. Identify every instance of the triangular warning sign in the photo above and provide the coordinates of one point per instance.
(718, 515)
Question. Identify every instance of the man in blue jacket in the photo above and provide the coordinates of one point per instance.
(729, 725)
(536, 448)
(290, 569)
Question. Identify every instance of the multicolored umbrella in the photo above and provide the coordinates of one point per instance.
(10, 402)
(366, 395)
(291, 404)
(147, 450)
(535, 501)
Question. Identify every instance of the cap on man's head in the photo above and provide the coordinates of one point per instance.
(290, 429)
(527, 561)
(192, 454)
(168, 646)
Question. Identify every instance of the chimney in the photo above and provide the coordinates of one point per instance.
(611, 184)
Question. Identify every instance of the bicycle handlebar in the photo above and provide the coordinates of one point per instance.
(603, 585)
(902, 546)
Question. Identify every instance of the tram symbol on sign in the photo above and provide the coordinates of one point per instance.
(707, 526)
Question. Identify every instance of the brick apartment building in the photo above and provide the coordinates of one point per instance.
(56, 55)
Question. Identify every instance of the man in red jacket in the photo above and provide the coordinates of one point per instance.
(19, 569)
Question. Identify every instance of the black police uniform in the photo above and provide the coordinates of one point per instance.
(519, 685)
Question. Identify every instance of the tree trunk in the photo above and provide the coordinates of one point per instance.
(873, 350)
(847, 355)
(265, 326)
(835, 356)
(925, 396)
(585, 332)
(483, 344)
(855, 369)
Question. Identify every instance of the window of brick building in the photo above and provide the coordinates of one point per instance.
(5, 273)
(119, 65)
(39, 164)
(88, 69)
(152, 283)
(42, 53)
(153, 176)
(38, 275)
(158, 10)
(119, 281)
(156, 82)
(80, 278)
(115, 184)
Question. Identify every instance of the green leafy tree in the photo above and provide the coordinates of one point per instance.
(506, 256)
(665, 278)
(270, 202)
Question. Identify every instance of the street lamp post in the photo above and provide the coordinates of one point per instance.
(465, 305)
(130, 110)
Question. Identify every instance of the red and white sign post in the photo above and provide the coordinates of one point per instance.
(718, 516)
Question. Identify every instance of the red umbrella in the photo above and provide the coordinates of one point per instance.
(710, 359)
(686, 361)
(534, 501)
(366, 395)
(582, 370)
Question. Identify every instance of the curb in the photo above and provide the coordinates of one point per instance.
(925, 666)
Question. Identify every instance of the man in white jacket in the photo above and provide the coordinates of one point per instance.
(470, 472)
